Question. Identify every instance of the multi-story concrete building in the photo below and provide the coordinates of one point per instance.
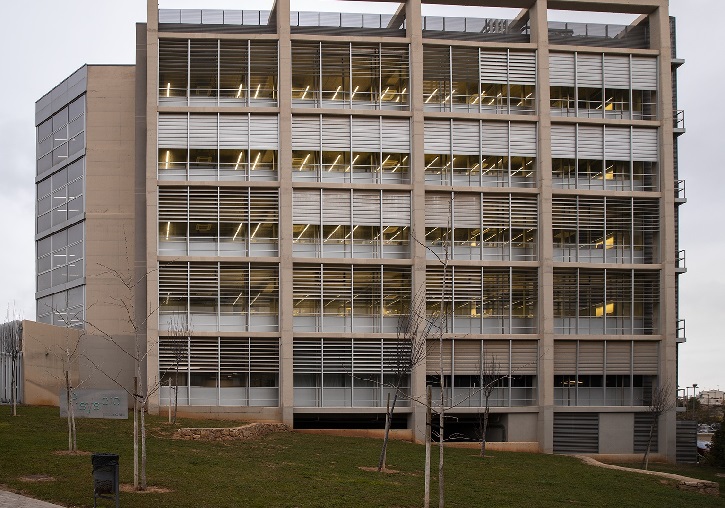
(300, 176)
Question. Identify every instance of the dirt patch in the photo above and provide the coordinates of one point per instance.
(150, 489)
(36, 478)
(375, 470)
(72, 454)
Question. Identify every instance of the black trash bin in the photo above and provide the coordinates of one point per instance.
(105, 477)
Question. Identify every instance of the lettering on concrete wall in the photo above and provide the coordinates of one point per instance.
(107, 404)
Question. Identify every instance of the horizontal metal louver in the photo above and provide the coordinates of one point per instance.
(394, 353)
(365, 134)
(202, 131)
(233, 131)
(367, 356)
(433, 356)
(173, 204)
(590, 142)
(263, 205)
(522, 67)
(591, 357)
(644, 73)
(437, 209)
(499, 352)
(524, 357)
(523, 139)
(305, 133)
(203, 354)
(565, 357)
(264, 132)
(616, 71)
(306, 206)
(366, 208)
(576, 433)
(467, 357)
(203, 204)
(395, 135)
(642, 426)
(173, 130)
(495, 211)
(396, 208)
(337, 356)
(495, 138)
(336, 207)
(465, 138)
(467, 210)
(589, 70)
(617, 143)
(307, 356)
(494, 66)
(437, 136)
(233, 355)
(524, 212)
(562, 69)
(264, 355)
(646, 358)
(336, 133)
(644, 144)
(619, 357)
(563, 141)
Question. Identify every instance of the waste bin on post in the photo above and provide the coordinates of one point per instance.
(105, 477)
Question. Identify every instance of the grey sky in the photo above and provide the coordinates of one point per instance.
(44, 41)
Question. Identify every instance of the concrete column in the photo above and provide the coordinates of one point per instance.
(417, 178)
(151, 190)
(660, 39)
(284, 100)
(545, 380)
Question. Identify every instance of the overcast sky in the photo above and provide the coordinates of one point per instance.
(44, 41)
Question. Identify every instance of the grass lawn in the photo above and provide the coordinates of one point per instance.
(303, 470)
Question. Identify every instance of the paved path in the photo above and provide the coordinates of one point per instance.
(10, 500)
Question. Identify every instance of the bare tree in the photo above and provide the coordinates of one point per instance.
(136, 319)
(11, 346)
(179, 332)
(413, 331)
(661, 402)
(490, 377)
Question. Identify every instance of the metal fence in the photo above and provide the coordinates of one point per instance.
(6, 371)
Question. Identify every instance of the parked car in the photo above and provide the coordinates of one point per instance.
(703, 447)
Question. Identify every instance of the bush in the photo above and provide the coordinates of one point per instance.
(716, 455)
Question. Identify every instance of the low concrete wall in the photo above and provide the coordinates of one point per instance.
(682, 482)
(246, 432)
(398, 434)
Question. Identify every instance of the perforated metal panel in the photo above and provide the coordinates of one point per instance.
(562, 69)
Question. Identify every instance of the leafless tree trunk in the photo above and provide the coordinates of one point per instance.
(444, 311)
(489, 379)
(412, 335)
(662, 401)
(428, 423)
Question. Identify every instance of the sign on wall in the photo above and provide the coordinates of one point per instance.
(106, 404)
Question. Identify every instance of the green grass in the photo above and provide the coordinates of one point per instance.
(304, 470)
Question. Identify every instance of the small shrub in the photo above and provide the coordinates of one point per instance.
(716, 455)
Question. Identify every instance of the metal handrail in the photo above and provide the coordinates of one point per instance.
(680, 189)
(678, 119)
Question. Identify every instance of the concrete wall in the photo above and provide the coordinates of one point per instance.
(95, 362)
(110, 200)
(615, 433)
(44, 357)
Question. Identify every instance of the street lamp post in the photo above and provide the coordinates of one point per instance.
(694, 388)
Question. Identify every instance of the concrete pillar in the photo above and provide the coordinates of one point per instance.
(660, 39)
(417, 179)
(284, 100)
(540, 36)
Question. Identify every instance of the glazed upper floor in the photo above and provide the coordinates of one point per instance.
(213, 58)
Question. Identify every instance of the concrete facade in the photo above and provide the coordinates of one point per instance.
(578, 302)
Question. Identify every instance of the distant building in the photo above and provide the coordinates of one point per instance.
(284, 182)
(711, 397)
